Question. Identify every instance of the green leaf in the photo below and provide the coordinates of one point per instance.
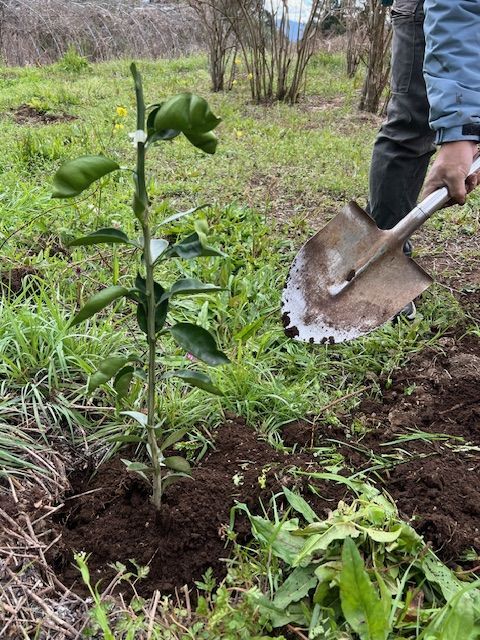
(206, 142)
(173, 438)
(189, 285)
(75, 176)
(295, 587)
(300, 505)
(195, 378)
(187, 113)
(385, 537)
(182, 214)
(110, 236)
(98, 302)
(250, 329)
(199, 342)
(174, 477)
(177, 463)
(106, 370)
(140, 295)
(158, 248)
(361, 605)
(157, 136)
(191, 247)
(141, 418)
(277, 537)
(320, 541)
(122, 381)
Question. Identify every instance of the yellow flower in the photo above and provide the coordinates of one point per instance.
(238, 61)
(121, 112)
(238, 133)
(250, 76)
(234, 82)
(118, 126)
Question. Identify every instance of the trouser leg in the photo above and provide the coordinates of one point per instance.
(404, 144)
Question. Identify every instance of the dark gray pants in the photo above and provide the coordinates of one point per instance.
(404, 145)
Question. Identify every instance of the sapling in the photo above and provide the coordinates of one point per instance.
(191, 116)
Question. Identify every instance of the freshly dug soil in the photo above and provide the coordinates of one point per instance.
(116, 522)
(12, 281)
(26, 114)
(426, 426)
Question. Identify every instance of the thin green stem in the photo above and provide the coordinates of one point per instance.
(142, 195)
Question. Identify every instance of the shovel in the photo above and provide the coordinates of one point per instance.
(351, 277)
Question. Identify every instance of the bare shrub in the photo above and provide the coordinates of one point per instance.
(41, 31)
(275, 56)
(218, 35)
(378, 37)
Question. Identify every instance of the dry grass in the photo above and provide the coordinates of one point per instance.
(34, 32)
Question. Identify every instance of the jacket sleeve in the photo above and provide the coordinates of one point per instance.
(452, 68)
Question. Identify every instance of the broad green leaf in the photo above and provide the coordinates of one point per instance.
(277, 616)
(173, 438)
(189, 285)
(177, 463)
(199, 342)
(300, 505)
(106, 370)
(140, 295)
(141, 418)
(122, 381)
(321, 541)
(361, 606)
(206, 142)
(75, 176)
(386, 537)
(438, 573)
(111, 236)
(195, 378)
(156, 136)
(98, 302)
(158, 248)
(187, 113)
(191, 247)
(277, 537)
(174, 477)
(295, 587)
(136, 466)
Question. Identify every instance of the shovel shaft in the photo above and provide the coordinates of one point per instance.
(435, 201)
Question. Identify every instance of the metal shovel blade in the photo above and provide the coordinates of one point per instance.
(335, 291)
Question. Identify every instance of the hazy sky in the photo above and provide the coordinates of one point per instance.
(298, 10)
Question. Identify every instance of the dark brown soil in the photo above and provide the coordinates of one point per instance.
(26, 114)
(116, 522)
(434, 480)
(12, 281)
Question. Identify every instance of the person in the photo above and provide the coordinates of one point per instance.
(435, 101)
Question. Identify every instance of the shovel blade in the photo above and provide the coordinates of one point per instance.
(317, 306)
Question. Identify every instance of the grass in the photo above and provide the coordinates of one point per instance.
(279, 173)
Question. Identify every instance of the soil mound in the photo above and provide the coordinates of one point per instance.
(116, 522)
(27, 114)
(422, 441)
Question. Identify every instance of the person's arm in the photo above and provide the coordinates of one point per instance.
(452, 76)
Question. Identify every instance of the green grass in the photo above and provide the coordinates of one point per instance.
(279, 173)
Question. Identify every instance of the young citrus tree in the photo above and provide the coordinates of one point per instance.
(191, 116)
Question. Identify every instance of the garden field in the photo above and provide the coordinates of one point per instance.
(321, 491)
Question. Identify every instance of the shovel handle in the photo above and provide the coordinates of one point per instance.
(435, 201)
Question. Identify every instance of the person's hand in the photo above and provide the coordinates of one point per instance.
(450, 169)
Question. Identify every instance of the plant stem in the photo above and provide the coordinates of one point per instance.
(155, 453)
(152, 347)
